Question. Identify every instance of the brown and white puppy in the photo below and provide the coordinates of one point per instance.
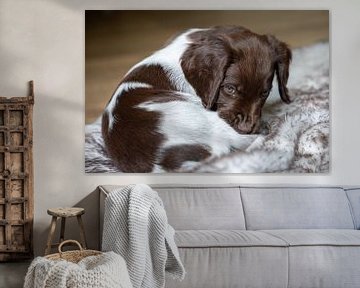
(193, 99)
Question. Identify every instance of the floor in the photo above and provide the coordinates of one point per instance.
(116, 40)
(12, 274)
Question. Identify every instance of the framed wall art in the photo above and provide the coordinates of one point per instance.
(207, 91)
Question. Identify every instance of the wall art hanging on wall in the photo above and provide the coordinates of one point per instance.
(207, 91)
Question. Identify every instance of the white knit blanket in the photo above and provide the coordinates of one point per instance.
(103, 271)
(136, 227)
(298, 134)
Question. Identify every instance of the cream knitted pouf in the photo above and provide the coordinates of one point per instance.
(104, 270)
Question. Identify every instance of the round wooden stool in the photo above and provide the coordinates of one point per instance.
(64, 213)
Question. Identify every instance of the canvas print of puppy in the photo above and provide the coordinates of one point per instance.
(199, 97)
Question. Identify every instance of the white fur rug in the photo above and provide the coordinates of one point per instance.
(299, 133)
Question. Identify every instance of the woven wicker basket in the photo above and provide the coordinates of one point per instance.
(72, 256)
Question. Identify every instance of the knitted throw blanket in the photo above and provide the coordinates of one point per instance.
(296, 138)
(136, 227)
(103, 271)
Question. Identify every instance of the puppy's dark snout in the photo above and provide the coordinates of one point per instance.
(246, 124)
(240, 118)
(244, 119)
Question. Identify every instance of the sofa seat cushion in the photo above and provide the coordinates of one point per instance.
(317, 237)
(223, 267)
(225, 238)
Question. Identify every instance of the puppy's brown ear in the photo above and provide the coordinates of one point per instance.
(282, 62)
(204, 64)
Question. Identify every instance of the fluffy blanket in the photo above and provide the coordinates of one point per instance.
(103, 271)
(297, 137)
(136, 227)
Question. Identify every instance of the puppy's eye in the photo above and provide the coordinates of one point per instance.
(230, 89)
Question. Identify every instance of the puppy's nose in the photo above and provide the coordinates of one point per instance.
(246, 125)
(242, 118)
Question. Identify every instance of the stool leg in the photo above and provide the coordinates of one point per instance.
(62, 231)
(82, 232)
(51, 235)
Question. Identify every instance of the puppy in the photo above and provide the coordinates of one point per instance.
(193, 99)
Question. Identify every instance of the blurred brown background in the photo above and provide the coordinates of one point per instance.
(116, 40)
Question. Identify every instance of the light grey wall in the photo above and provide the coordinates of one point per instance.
(44, 41)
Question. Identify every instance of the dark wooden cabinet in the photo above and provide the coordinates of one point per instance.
(16, 177)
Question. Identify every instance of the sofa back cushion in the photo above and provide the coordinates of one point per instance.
(354, 198)
(203, 208)
(296, 208)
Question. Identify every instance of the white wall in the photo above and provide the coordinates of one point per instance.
(44, 41)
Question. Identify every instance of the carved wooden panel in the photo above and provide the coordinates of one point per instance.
(16, 177)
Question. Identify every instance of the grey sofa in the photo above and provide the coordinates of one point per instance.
(264, 236)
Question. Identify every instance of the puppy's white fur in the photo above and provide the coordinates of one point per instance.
(188, 122)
